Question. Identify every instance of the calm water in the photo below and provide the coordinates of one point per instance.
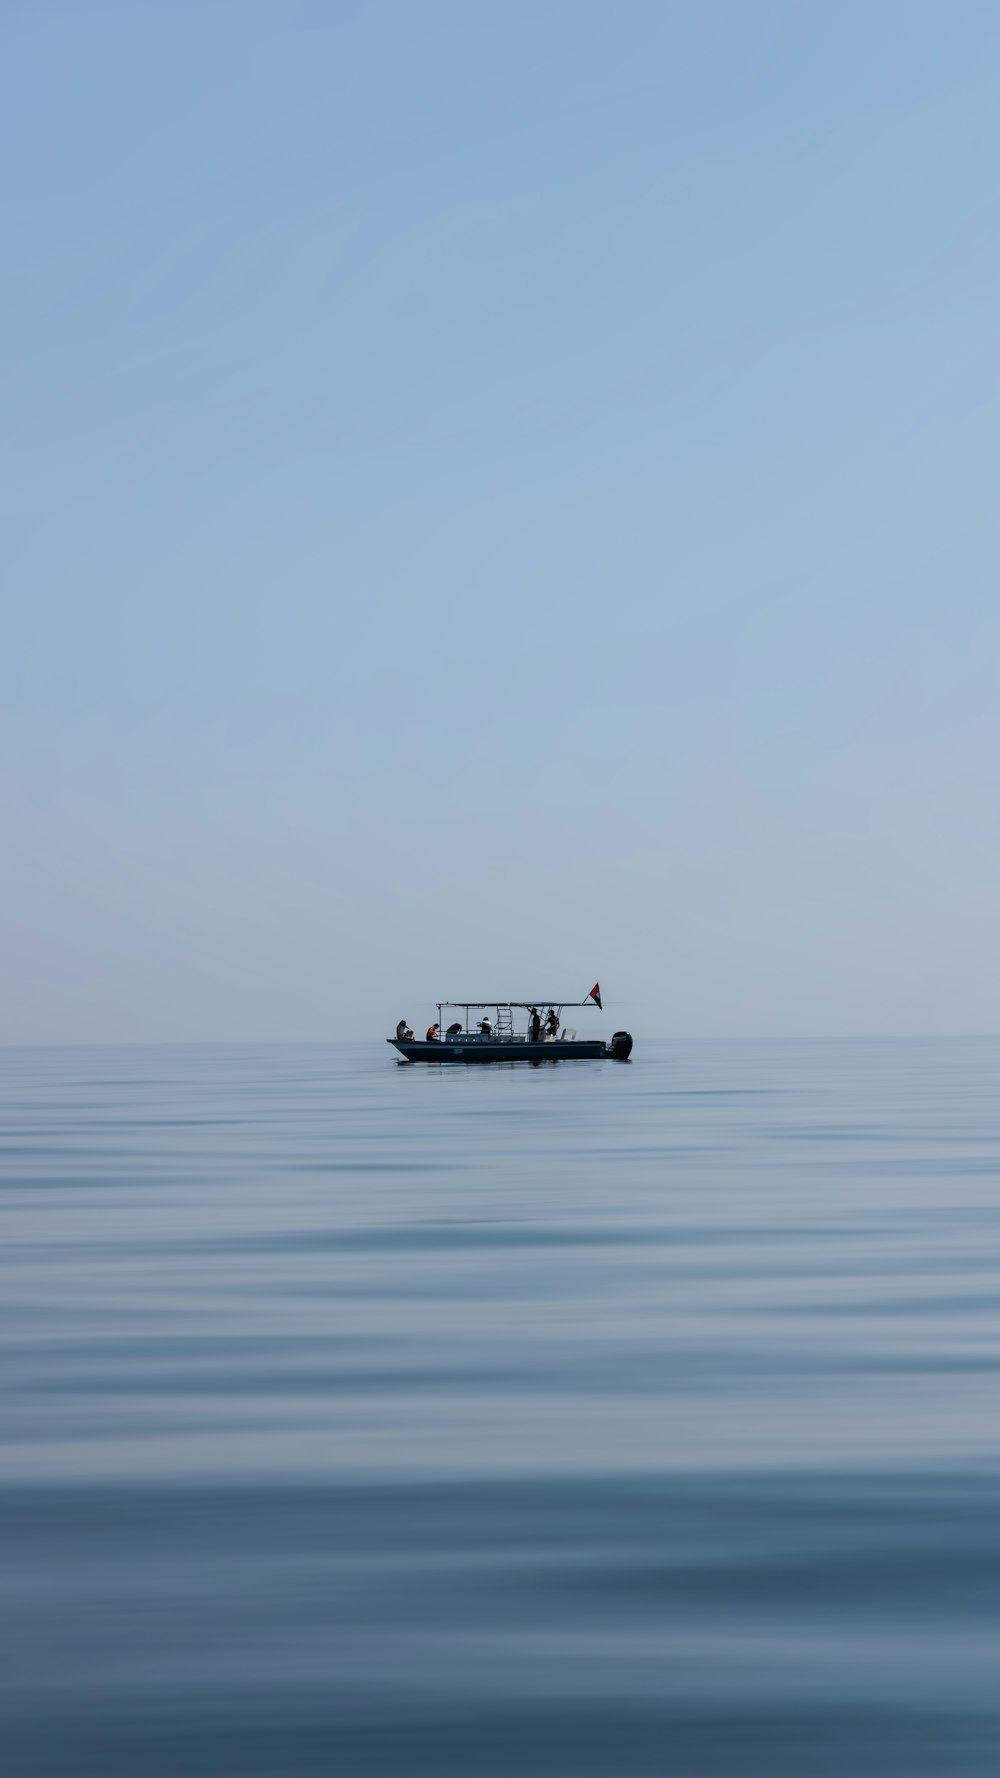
(584, 1419)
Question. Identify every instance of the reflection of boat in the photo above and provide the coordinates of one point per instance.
(488, 1040)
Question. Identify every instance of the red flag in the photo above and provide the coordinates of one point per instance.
(595, 994)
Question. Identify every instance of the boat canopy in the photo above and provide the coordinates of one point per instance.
(540, 1000)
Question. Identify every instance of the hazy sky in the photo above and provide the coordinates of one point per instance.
(493, 496)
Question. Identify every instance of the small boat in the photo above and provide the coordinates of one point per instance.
(521, 1031)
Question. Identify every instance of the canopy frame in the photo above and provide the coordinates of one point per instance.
(468, 1006)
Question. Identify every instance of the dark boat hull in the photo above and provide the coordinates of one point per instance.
(499, 1050)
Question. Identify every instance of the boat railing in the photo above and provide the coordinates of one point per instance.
(504, 1037)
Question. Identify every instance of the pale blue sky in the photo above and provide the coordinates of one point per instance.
(494, 496)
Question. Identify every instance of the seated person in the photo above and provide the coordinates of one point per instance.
(454, 1030)
(403, 1030)
(432, 1033)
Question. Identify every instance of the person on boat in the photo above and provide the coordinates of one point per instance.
(534, 1025)
(552, 1023)
(485, 1028)
(432, 1033)
(453, 1030)
(403, 1030)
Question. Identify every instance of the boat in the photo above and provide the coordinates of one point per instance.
(538, 1036)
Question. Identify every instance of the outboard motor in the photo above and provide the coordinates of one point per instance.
(620, 1046)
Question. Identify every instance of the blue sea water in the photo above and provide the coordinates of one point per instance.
(579, 1419)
